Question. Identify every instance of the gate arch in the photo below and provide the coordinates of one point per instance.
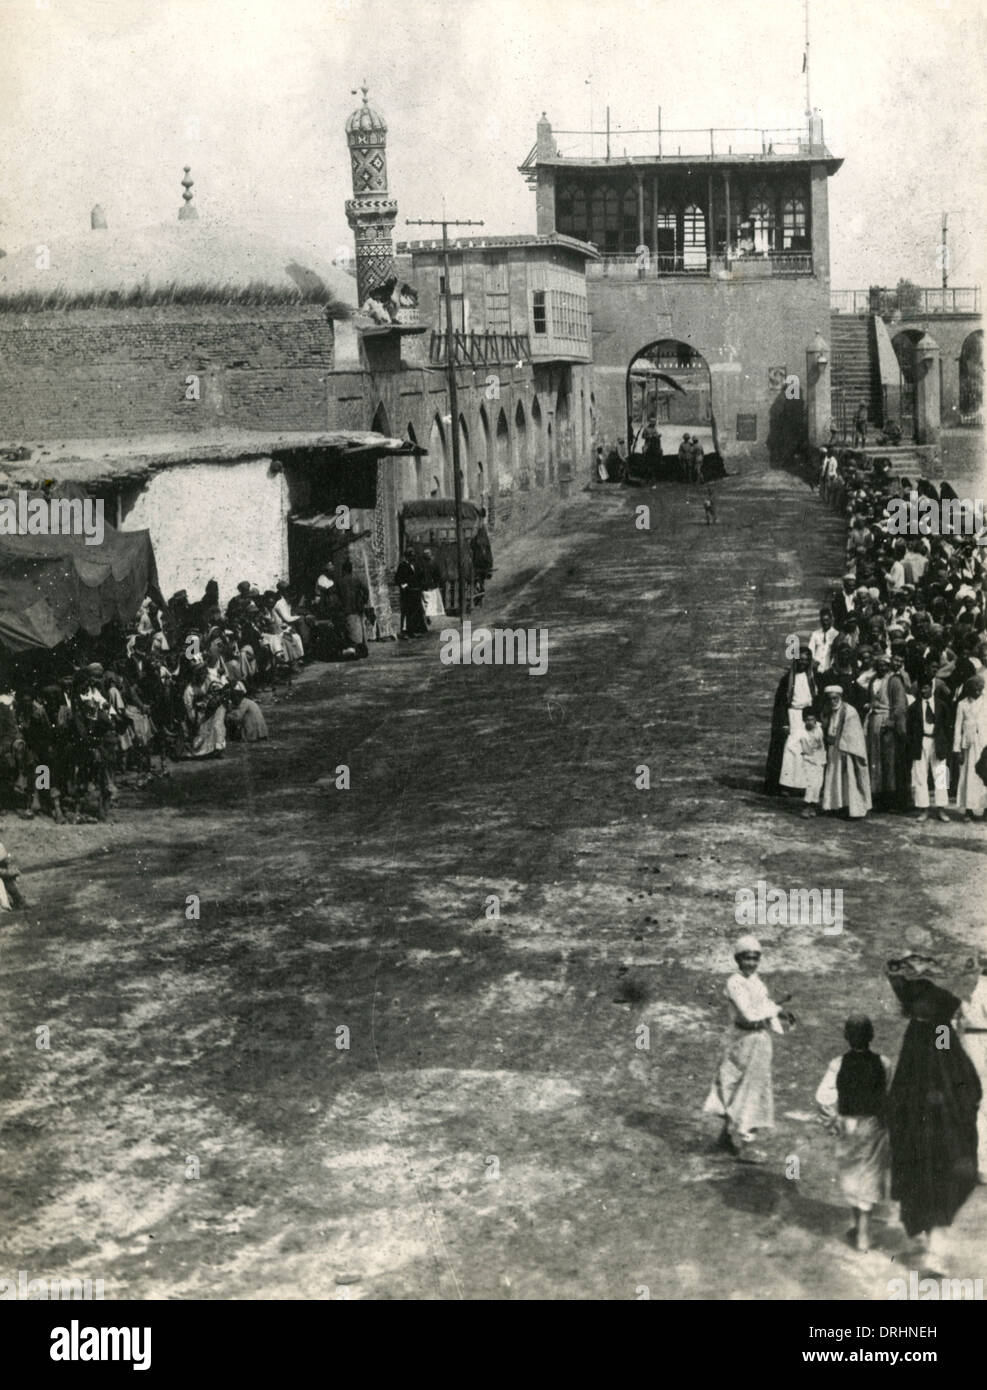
(669, 384)
(972, 378)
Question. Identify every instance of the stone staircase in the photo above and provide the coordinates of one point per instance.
(854, 374)
(913, 460)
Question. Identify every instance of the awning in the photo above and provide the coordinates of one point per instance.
(108, 462)
(51, 586)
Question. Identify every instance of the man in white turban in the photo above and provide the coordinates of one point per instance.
(846, 781)
(742, 1092)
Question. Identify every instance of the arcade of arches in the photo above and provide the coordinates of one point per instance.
(521, 442)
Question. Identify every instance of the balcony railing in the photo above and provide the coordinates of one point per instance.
(625, 266)
(910, 301)
(480, 349)
(629, 266)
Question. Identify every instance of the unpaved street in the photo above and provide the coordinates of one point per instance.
(492, 1130)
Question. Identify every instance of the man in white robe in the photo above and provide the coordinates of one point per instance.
(742, 1092)
(846, 781)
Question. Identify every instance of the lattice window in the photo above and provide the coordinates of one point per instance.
(629, 228)
(694, 238)
(498, 312)
(794, 226)
(761, 216)
(571, 212)
(605, 221)
(667, 223)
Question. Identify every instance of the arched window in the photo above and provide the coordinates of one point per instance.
(504, 481)
(629, 228)
(605, 229)
(794, 231)
(521, 443)
(667, 249)
(570, 215)
(694, 238)
(439, 466)
(415, 475)
(464, 453)
(538, 442)
(972, 374)
(762, 222)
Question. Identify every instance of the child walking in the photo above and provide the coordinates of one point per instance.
(812, 748)
(709, 507)
(853, 1095)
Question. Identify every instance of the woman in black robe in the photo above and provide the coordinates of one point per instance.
(932, 1107)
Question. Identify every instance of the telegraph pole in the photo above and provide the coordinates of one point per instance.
(805, 64)
(457, 482)
(945, 253)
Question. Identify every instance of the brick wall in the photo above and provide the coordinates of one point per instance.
(90, 373)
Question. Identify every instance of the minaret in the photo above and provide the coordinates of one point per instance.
(188, 212)
(370, 212)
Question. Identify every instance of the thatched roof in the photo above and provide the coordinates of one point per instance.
(105, 463)
(178, 263)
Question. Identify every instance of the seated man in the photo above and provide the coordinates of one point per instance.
(295, 624)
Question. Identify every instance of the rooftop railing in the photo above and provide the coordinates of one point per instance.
(707, 142)
(912, 300)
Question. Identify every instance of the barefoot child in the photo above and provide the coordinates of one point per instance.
(709, 507)
(812, 748)
(853, 1094)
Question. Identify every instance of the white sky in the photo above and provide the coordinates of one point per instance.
(105, 100)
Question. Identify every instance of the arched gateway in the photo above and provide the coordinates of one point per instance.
(669, 393)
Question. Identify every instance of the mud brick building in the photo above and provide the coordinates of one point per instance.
(226, 391)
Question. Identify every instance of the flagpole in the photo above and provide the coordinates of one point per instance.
(805, 63)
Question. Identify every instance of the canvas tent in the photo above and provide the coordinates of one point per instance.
(51, 586)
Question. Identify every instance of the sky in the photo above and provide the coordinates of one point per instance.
(106, 100)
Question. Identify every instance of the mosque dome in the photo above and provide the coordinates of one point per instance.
(365, 120)
(180, 262)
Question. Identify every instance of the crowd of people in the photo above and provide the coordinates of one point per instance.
(915, 1133)
(182, 679)
(178, 683)
(882, 708)
(884, 702)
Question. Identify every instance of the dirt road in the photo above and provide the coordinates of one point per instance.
(492, 909)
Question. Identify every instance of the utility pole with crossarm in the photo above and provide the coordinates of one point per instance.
(457, 481)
